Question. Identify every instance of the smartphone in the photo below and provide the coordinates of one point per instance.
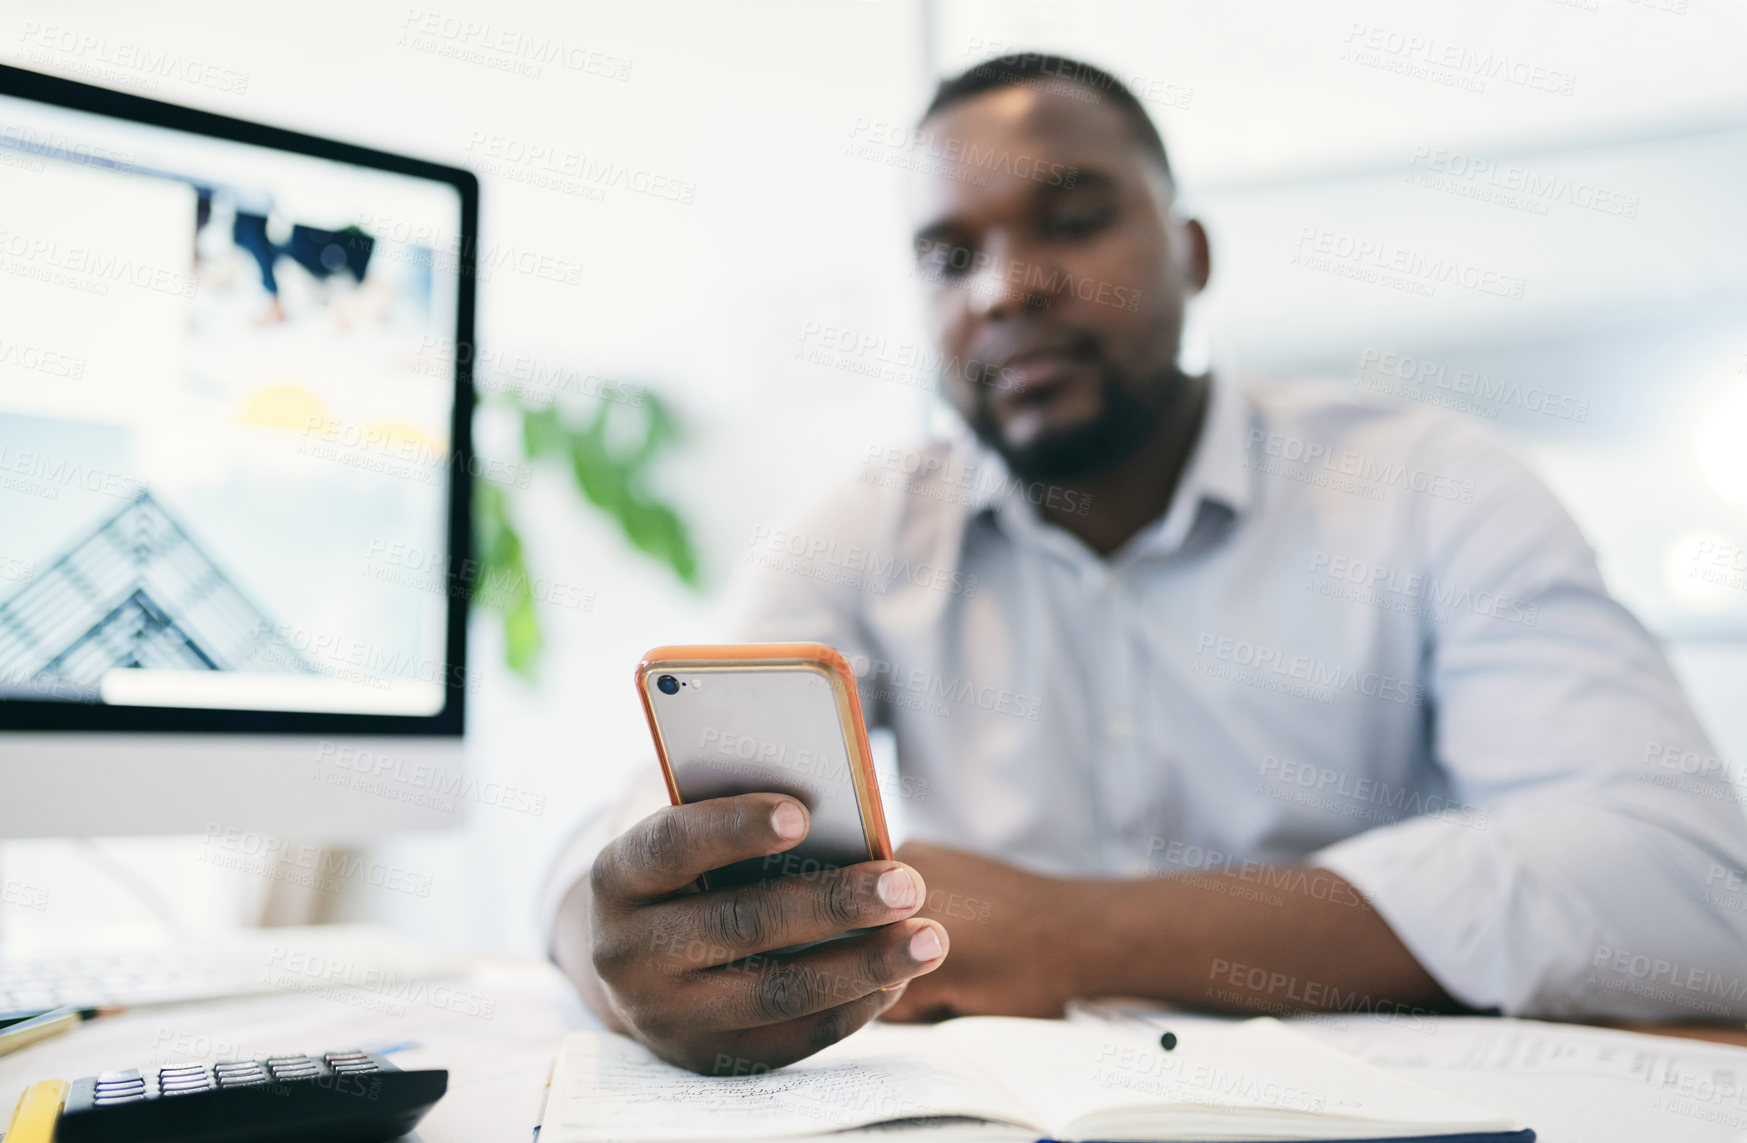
(743, 718)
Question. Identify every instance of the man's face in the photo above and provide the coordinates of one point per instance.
(1055, 276)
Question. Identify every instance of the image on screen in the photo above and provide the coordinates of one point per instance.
(226, 393)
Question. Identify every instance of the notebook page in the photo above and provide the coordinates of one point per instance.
(1257, 1069)
(606, 1087)
(1598, 1085)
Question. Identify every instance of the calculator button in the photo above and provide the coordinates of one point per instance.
(109, 1100)
(335, 1057)
(242, 1079)
(117, 1077)
(166, 1074)
(189, 1090)
(135, 1089)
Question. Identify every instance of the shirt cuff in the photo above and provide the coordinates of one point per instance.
(1495, 929)
(645, 794)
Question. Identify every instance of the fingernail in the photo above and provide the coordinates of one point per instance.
(788, 821)
(897, 888)
(925, 946)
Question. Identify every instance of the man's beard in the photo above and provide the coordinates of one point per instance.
(1086, 450)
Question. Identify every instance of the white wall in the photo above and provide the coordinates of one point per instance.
(758, 101)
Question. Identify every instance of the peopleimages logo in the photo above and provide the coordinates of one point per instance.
(1263, 661)
(87, 48)
(1418, 373)
(303, 863)
(1513, 183)
(375, 771)
(874, 569)
(1326, 788)
(1324, 249)
(85, 269)
(899, 137)
(1659, 977)
(916, 470)
(893, 683)
(945, 263)
(25, 355)
(504, 48)
(1363, 467)
(1447, 62)
(1382, 586)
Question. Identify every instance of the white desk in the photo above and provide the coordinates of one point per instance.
(498, 1062)
(497, 1065)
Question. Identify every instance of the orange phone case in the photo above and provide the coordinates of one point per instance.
(705, 656)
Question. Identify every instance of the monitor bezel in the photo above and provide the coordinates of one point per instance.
(48, 714)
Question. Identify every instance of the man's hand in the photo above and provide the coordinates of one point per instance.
(1007, 958)
(690, 974)
(1024, 945)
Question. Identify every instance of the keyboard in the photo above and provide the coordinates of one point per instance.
(336, 1097)
(243, 963)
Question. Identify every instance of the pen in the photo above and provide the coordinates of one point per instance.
(9, 1018)
(28, 1031)
(393, 1048)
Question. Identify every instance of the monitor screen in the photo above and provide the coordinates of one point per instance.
(233, 430)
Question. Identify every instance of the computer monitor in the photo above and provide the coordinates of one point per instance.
(234, 473)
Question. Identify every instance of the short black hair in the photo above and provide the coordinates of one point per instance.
(1038, 69)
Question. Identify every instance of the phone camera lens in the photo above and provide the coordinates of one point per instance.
(668, 685)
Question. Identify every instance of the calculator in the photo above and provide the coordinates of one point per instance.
(336, 1097)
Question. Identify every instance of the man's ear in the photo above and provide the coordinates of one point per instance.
(1197, 256)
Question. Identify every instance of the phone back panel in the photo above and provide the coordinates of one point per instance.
(739, 728)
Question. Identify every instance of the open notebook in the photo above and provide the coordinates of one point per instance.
(1251, 1080)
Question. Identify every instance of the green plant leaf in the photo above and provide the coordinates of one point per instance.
(612, 478)
(523, 642)
(660, 429)
(658, 530)
(543, 434)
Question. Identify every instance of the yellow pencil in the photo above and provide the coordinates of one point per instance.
(38, 1110)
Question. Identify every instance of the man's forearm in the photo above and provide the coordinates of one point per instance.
(1277, 940)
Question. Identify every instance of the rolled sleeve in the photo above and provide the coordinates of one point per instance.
(645, 794)
(1581, 877)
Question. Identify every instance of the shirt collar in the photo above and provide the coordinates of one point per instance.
(1216, 468)
(1215, 472)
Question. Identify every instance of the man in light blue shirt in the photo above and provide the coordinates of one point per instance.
(1266, 698)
